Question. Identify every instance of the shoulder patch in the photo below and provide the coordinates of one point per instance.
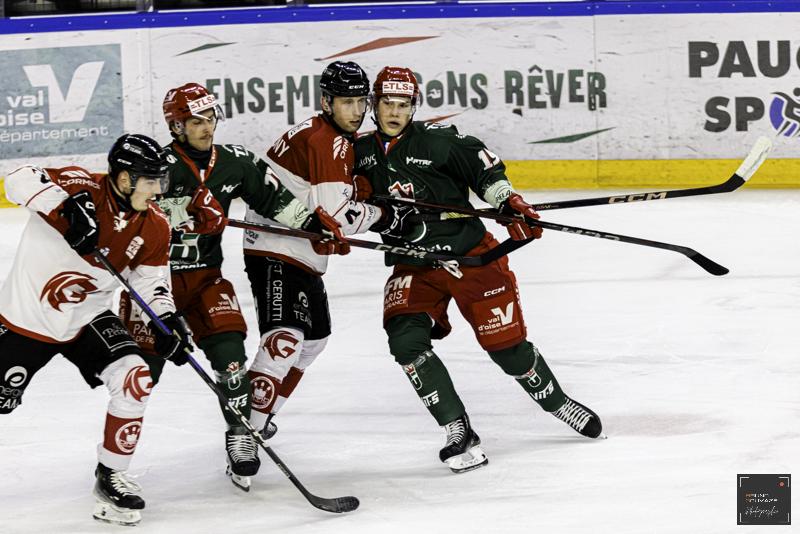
(238, 151)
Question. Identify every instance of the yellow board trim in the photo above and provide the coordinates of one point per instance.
(667, 174)
(4, 203)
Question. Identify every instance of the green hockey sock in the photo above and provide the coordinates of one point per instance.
(434, 387)
(540, 383)
(226, 353)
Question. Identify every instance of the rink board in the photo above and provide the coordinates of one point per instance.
(571, 95)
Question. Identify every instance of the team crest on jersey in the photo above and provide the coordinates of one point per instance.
(281, 344)
(137, 383)
(70, 287)
(401, 190)
(120, 223)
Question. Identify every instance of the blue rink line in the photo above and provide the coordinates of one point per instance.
(445, 10)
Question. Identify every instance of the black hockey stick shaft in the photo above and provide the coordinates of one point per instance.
(468, 261)
(746, 169)
(337, 505)
(704, 262)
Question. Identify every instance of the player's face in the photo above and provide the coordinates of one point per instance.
(146, 189)
(348, 112)
(199, 130)
(393, 114)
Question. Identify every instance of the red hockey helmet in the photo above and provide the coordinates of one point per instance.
(396, 81)
(187, 101)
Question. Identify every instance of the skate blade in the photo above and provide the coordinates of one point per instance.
(468, 461)
(243, 483)
(108, 513)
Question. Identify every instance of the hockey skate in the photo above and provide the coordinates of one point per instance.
(117, 501)
(580, 418)
(242, 455)
(462, 452)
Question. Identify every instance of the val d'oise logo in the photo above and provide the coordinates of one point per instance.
(60, 100)
(69, 107)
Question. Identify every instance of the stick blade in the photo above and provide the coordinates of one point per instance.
(707, 264)
(755, 158)
(339, 505)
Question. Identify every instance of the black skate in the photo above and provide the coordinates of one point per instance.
(270, 428)
(243, 459)
(580, 418)
(462, 452)
(117, 501)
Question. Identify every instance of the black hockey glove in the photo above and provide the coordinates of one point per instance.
(173, 347)
(395, 220)
(82, 233)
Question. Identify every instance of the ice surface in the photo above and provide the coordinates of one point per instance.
(695, 378)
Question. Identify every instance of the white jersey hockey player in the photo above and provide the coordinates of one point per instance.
(57, 298)
(314, 160)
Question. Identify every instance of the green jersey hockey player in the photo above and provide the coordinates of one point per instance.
(204, 179)
(433, 162)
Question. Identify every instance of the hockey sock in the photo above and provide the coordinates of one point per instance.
(540, 383)
(263, 388)
(410, 344)
(516, 360)
(434, 387)
(287, 387)
(129, 385)
(225, 351)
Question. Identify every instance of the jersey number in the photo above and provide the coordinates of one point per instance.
(270, 178)
(489, 158)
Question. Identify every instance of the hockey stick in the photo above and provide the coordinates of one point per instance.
(337, 505)
(748, 167)
(497, 252)
(704, 262)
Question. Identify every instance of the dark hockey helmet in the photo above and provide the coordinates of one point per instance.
(186, 101)
(344, 78)
(396, 81)
(141, 156)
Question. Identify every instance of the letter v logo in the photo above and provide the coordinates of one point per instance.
(507, 316)
(73, 106)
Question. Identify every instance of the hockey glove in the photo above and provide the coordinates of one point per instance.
(362, 189)
(395, 220)
(79, 211)
(515, 206)
(208, 217)
(173, 346)
(320, 222)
